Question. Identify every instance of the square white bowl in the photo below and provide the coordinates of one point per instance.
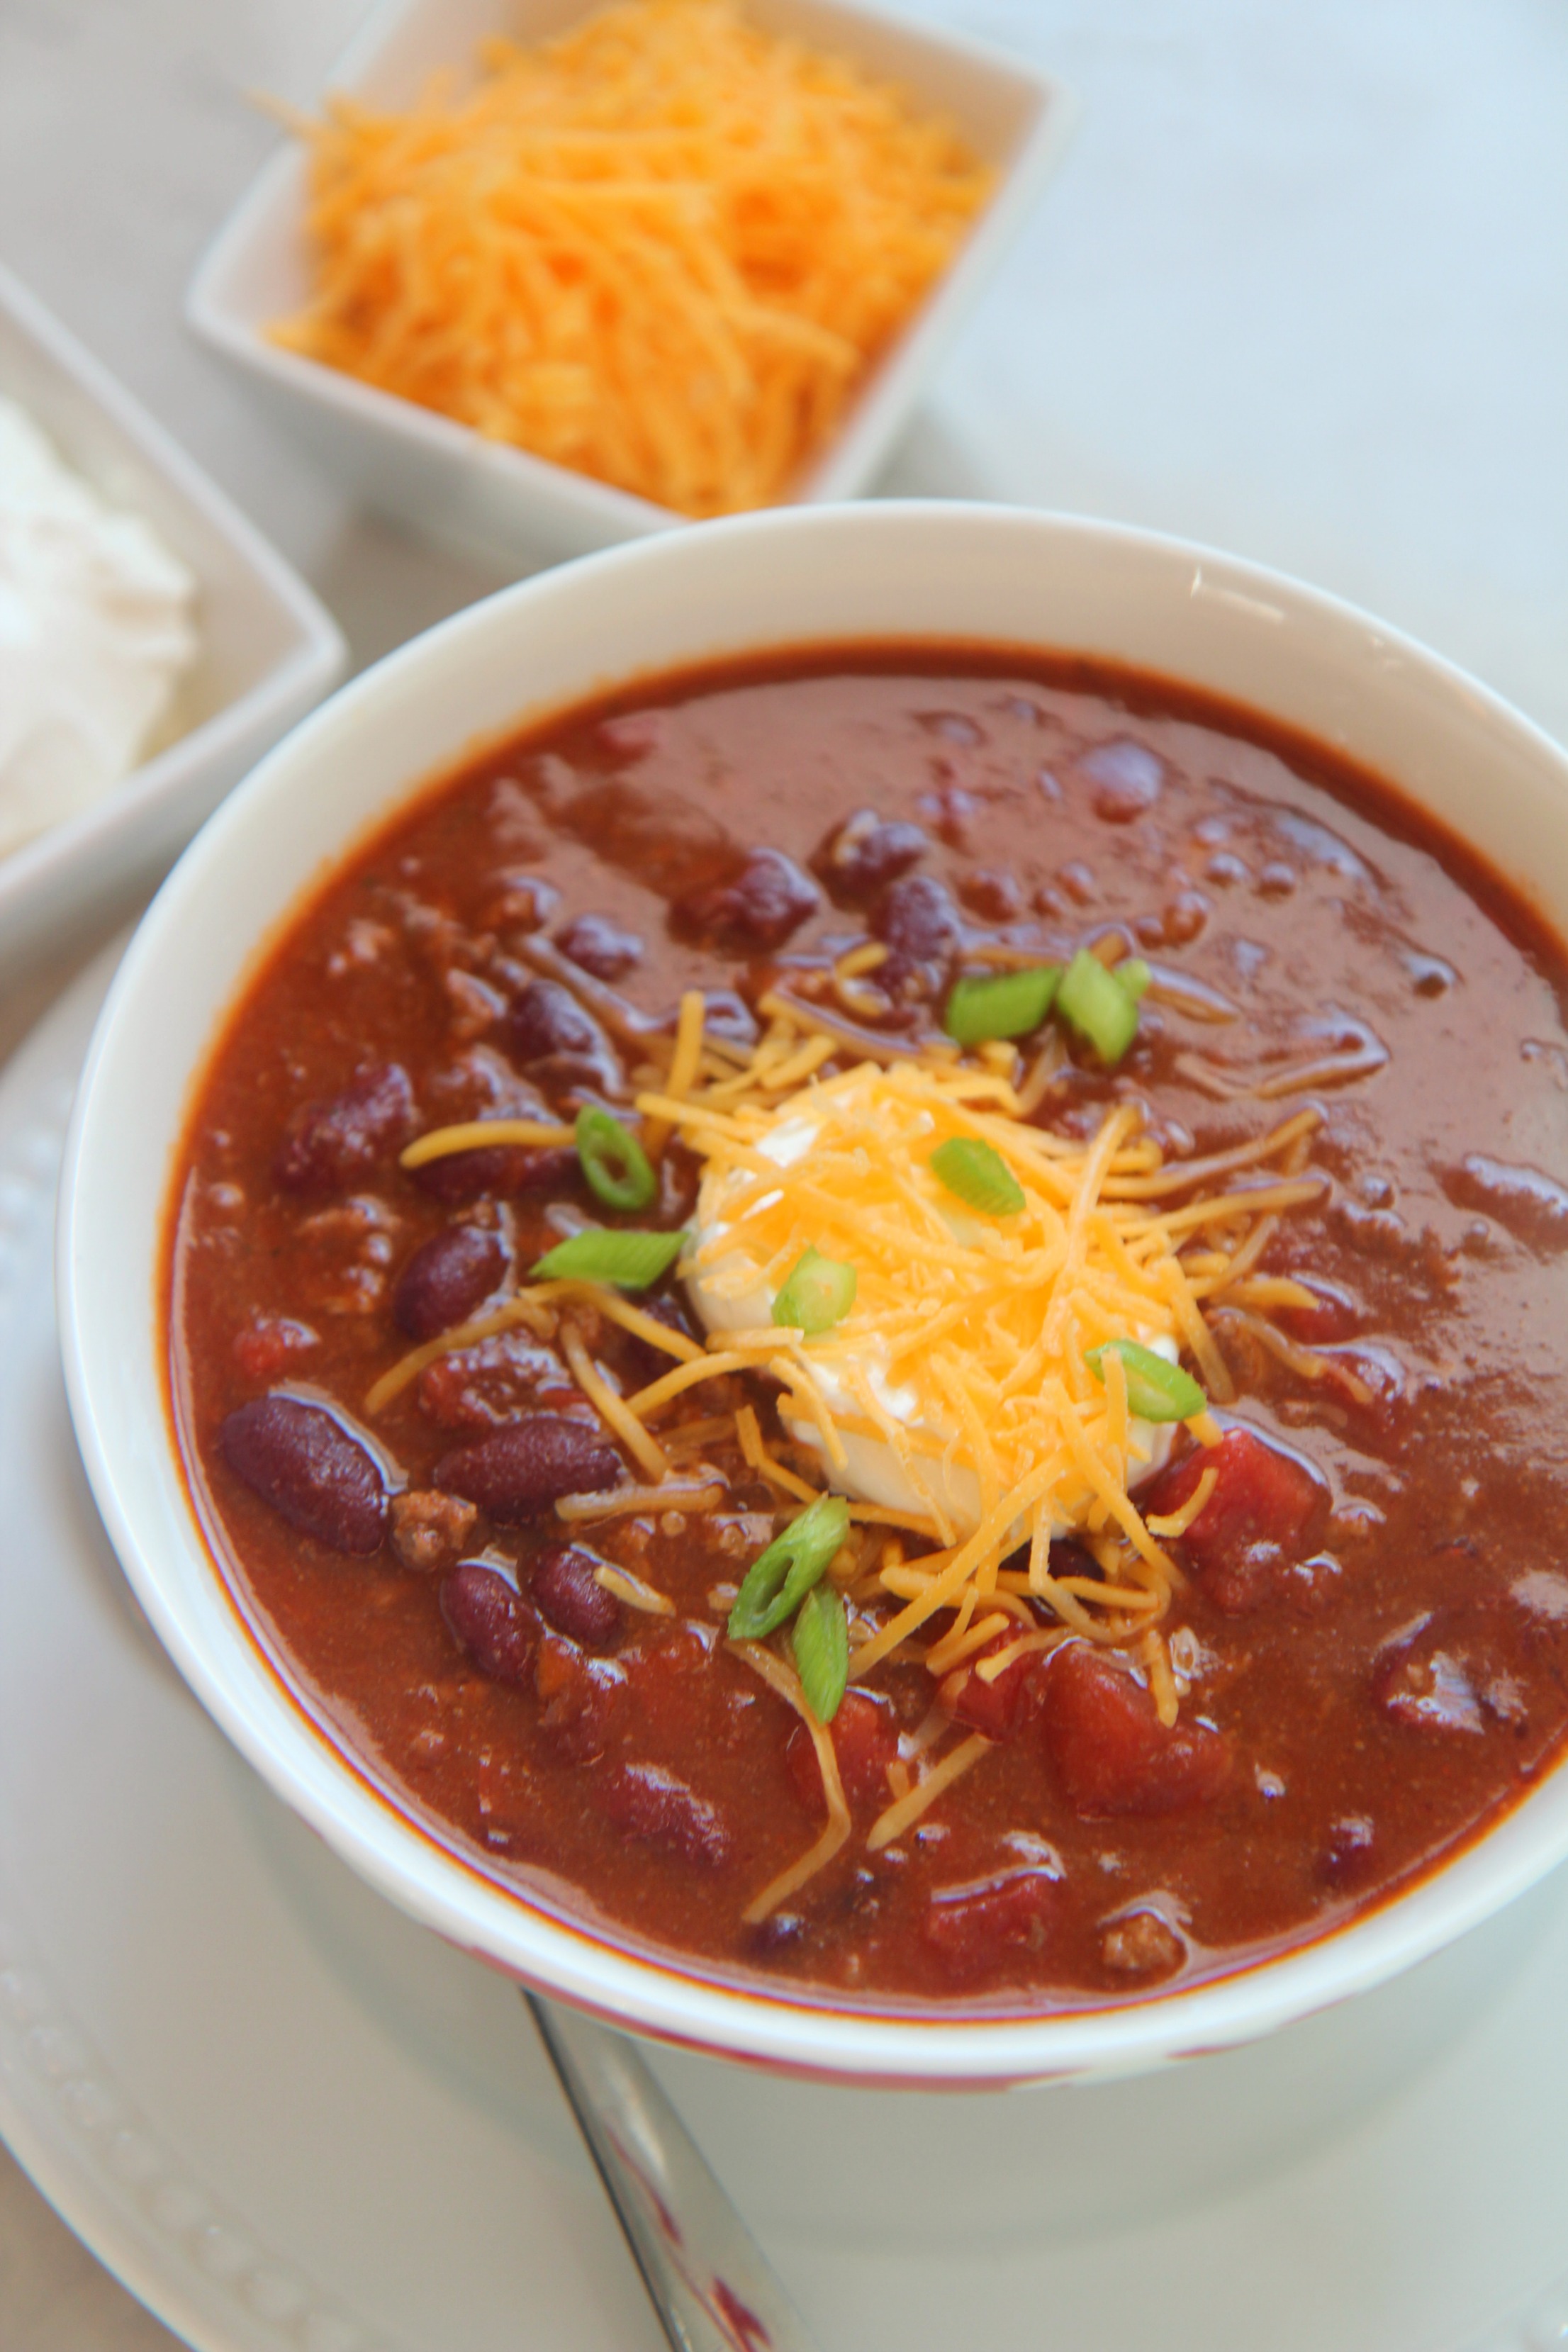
(484, 499)
(269, 649)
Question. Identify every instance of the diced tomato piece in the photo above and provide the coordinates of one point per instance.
(1000, 1708)
(971, 1928)
(1111, 1752)
(1255, 1524)
(865, 1741)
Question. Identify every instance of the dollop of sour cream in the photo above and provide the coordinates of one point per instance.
(871, 1470)
(95, 629)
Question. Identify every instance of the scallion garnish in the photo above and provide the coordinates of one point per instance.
(613, 1160)
(1002, 1004)
(1136, 976)
(1099, 1005)
(1156, 1391)
(630, 1260)
(818, 1292)
(780, 1578)
(980, 1176)
(821, 1640)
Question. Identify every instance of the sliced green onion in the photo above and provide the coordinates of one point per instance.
(613, 1160)
(818, 1292)
(821, 1640)
(980, 1176)
(1136, 976)
(1156, 1391)
(1095, 1002)
(631, 1261)
(780, 1578)
(1004, 1004)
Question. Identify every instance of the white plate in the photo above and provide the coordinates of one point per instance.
(269, 649)
(503, 505)
(293, 2121)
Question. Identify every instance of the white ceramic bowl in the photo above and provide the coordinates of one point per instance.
(880, 571)
(483, 500)
(269, 650)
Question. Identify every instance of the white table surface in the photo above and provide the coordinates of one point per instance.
(1300, 290)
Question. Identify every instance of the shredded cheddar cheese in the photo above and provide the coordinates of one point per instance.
(961, 1362)
(663, 248)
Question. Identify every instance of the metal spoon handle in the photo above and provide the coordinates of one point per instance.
(706, 2276)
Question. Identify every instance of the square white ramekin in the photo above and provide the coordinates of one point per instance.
(482, 498)
(269, 650)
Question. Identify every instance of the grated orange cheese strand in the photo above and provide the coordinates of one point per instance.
(945, 1588)
(756, 1456)
(633, 1591)
(694, 1494)
(990, 1670)
(1176, 1523)
(905, 1811)
(963, 1642)
(683, 1068)
(526, 1307)
(786, 1683)
(1161, 1682)
(1183, 1175)
(484, 1134)
(644, 1326)
(673, 1384)
(611, 1408)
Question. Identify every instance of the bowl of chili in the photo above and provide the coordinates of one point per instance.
(545, 1130)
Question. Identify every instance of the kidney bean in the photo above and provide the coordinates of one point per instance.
(492, 1383)
(756, 908)
(864, 853)
(495, 1172)
(1445, 1675)
(342, 1138)
(917, 919)
(969, 1928)
(600, 945)
(547, 1020)
(528, 1465)
(486, 1617)
(646, 1802)
(1127, 779)
(638, 1360)
(297, 1457)
(1332, 1316)
(1349, 1856)
(446, 1278)
(1111, 1753)
(565, 1589)
(728, 1015)
(996, 896)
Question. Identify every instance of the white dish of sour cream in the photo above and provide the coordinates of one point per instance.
(185, 666)
(98, 624)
